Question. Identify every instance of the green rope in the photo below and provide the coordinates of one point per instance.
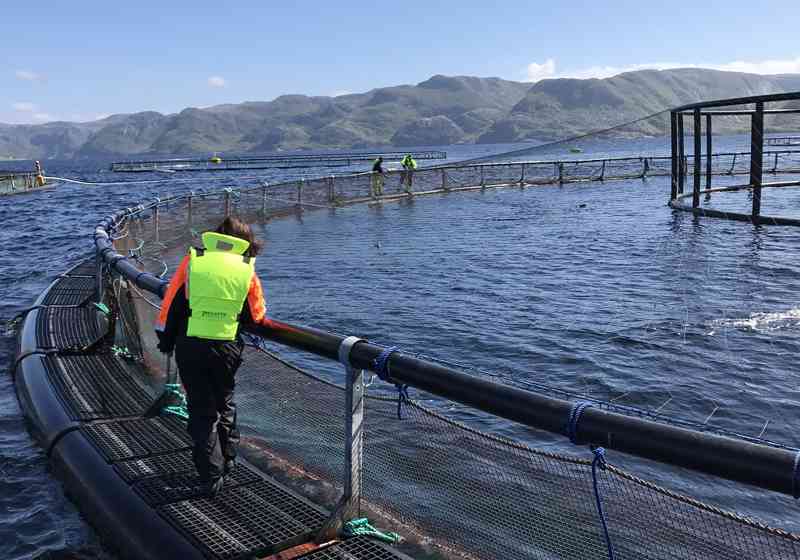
(102, 307)
(175, 396)
(356, 527)
(123, 352)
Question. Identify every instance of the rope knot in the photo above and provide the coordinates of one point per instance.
(571, 429)
(381, 364)
(599, 458)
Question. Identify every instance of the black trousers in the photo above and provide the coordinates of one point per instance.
(208, 371)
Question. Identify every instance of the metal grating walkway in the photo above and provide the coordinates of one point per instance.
(360, 548)
(70, 291)
(67, 327)
(157, 465)
(132, 439)
(256, 519)
(96, 386)
(161, 490)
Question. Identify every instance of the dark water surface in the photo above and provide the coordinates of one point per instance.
(594, 288)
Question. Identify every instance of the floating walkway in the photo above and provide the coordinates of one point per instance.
(133, 475)
(219, 163)
(783, 141)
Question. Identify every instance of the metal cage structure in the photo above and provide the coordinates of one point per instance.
(703, 115)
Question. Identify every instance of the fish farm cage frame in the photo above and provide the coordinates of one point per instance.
(704, 113)
(288, 161)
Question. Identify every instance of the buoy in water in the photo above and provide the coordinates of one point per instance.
(575, 150)
(215, 159)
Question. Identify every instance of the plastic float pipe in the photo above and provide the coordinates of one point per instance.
(750, 463)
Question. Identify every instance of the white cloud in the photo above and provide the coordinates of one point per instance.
(28, 75)
(339, 92)
(43, 117)
(538, 72)
(217, 82)
(764, 67)
(23, 107)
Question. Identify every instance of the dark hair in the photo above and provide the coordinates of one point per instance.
(237, 228)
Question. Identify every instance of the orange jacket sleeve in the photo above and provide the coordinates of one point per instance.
(255, 299)
(178, 280)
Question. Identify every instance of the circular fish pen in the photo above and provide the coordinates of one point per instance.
(778, 112)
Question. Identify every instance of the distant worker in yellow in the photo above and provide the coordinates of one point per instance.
(40, 180)
(407, 176)
(377, 177)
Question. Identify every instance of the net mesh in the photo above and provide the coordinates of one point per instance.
(451, 490)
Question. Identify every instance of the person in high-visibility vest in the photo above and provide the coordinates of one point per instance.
(213, 291)
(407, 177)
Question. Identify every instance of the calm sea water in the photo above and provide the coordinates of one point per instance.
(594, 288)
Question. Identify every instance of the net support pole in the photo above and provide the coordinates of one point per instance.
(264, 199)
(698, 158)
(681, 155)
(708, 153)
(190, 210)
(227, 203)
(483, 178)
(522, 176)
(155, 220)
(756, 157)
(443, 179)
(331, 190)
(300, 194)
(349, 505)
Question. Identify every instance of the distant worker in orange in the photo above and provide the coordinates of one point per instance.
(214, 290)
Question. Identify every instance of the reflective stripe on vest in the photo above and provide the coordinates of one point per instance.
(217, 286)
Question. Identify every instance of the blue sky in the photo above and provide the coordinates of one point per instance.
(84, 59)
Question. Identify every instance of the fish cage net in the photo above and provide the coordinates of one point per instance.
(455, 492)
(451, 490)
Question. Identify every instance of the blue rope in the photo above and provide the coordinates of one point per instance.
(381, 367)
(575, 414)
(402, 397)
(795, 476)
(381, 363)
(600, 461)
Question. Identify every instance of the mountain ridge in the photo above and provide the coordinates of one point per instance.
(439, 110)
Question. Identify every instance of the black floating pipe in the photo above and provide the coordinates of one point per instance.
(750, 463)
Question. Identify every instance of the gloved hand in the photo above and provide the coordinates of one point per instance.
(165, 345)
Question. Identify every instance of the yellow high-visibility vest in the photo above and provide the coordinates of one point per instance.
(218, 282)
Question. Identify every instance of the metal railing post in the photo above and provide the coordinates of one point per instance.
(155, 219)
(698, 158)
(708, 156)
(522, 176)
(733, 165)
(300, 194)
(681, 156)
(190, 210)
(331, 190)
(349, 505)
(674, 155)
(483, 179)
(646, 169)
(756, 157)
(227, 202)
(603, 171)
(561, 172)
(775, 164)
